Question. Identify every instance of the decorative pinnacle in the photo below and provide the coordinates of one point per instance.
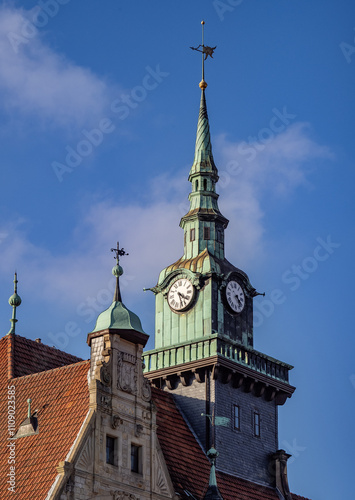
(206, 51)
(14, 301)
(118, 271)
(29, 401)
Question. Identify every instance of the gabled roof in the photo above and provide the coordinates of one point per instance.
(61, 397)
(188, 465)
(30, 356)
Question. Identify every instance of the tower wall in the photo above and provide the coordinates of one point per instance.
(244, 454)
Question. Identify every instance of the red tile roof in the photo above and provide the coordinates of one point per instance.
(33, 357)
(61, 397)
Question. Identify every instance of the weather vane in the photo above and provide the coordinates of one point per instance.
(119, 252)
(206, 51)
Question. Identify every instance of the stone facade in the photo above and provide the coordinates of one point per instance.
(121, 409)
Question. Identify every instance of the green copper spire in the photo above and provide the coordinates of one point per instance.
(117, 316)
(212, 492)
(204, 224)
(14, 301)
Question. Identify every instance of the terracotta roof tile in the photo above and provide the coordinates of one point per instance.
(33, 357)
(61, 397)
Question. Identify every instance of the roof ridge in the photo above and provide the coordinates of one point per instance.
(52, 369)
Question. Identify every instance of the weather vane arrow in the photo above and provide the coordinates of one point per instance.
(206, 51)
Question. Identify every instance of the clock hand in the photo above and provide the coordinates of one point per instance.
(238, 299)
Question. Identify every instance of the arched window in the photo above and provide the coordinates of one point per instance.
(205, 184)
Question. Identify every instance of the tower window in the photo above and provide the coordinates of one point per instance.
(256, 424)
(205, 184)
(206, 233)
(136, 458)
(236, 417)
(111, 450)
(196, 185)
(185, 238)
(192, 234)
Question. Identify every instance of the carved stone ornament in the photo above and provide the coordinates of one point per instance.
(146, 390)
(139, 430)
(116, 421)
(121, 495)
(127, 373)
(105, 401)
(105, 373)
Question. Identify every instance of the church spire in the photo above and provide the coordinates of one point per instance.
(204, 224)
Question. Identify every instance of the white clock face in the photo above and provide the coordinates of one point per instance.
(235, 296)
(181, 294)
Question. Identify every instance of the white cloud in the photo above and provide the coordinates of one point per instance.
(150, 232)
(36, 80)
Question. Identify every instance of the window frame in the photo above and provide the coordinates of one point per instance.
(256, 424)
(138, 468)
(112, 458)
(236, 417)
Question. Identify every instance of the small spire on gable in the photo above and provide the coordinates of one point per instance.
(14, 301)
(118, 271)
(212, 492)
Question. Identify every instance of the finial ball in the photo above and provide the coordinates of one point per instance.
(202, 22)
(117, 271)
(15, 300)
(202, 84)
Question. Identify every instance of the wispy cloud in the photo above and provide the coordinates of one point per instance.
(149, 231)
(36, 80)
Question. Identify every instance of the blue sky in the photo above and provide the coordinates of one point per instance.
(98, 112)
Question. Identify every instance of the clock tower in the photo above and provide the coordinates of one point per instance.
(204, 351)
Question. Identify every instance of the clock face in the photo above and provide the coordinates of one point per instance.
(181, 294)
(235, 296)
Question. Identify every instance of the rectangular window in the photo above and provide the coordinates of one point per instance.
(192, 234)
(236, 417)
(136, 459)
(111, 450)
(206, 233)
(256, 424)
